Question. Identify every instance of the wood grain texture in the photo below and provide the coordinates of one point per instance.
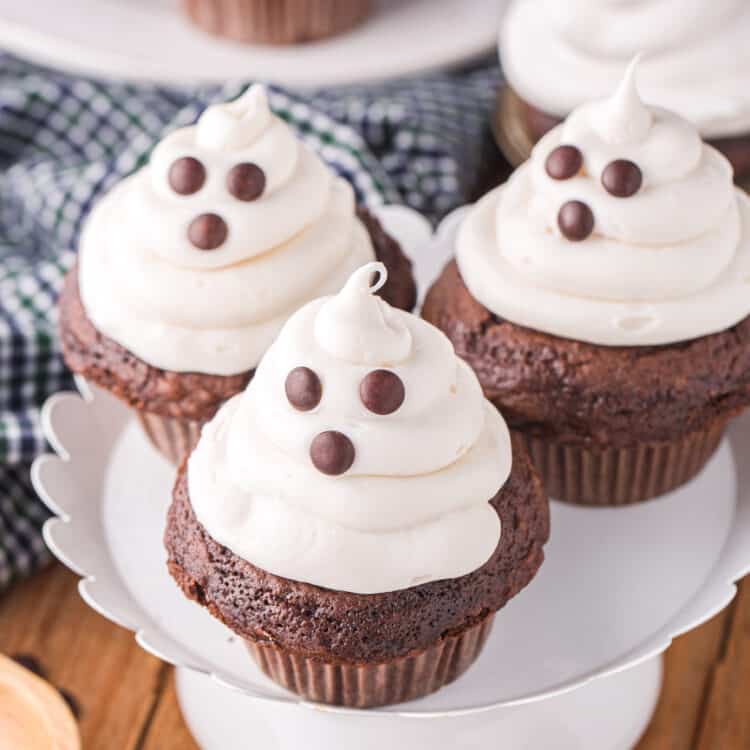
(725, 719)
(114, 682)
(168, 722)
(688, 665)
(128, 700)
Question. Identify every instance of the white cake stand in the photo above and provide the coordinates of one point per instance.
(572, 661)
(149, 40)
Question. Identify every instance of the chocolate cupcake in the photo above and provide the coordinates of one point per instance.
(602, 296)
(189, 268)
(696, 63)
(358, 514)
(276, 21)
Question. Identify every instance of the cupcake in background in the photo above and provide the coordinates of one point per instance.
(276, 21)
(559, 55)
(602, 297)
(189, 268)
(359, 513)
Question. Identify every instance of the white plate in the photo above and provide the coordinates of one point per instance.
(150, 40)
(616, 587)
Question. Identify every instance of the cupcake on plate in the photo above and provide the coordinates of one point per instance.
(359, 513)
(559, 55)
(189, 268)
(602, 297)
(276, 21)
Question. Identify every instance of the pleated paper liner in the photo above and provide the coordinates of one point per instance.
(374, 684)
(510, 127)
(173, 438)
(276, 21)
(621, 476)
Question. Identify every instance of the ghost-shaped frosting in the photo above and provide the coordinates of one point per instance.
(194, 262)
(559, 55)
(361, 457)
(623, 228)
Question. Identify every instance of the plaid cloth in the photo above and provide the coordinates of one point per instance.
(65, 140)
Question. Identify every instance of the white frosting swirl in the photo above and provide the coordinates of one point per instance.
(558, 55)
(412, 508)
(670, 263)
(179, 308)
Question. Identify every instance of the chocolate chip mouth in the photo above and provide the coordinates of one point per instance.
(208, 231)
(332, 452)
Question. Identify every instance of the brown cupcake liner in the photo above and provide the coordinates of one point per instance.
(621, 476)
(510, 127)
(173, 438)
(276, 21)
(375, 684)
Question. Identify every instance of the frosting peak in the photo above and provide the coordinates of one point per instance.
(364, 476)
(194, 262)
(624, 118)
(235, 124)
(623, 228)
(359, 327)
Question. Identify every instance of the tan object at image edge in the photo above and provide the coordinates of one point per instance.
(33, 716)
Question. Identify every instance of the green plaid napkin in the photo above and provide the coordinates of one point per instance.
(65, 140)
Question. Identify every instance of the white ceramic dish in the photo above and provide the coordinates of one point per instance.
(148, 40)
(617, 586)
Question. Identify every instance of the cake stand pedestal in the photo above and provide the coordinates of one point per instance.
(608, 714)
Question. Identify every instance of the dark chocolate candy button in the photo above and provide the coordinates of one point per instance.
(303, 388)
(622, 178)
(564, 162)
(186, 175)
(207, 231)
(576, 220)
(246, 181)
(332, 452)
(382, 391)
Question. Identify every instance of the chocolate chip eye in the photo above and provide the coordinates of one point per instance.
(622, 178)
(382, 391)
(303, 389)
(246, 181)
(576, 220)
(332, 452)
(564, 162)
(186, 175)
(207, 231)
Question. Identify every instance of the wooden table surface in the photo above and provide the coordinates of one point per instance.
(127, 699)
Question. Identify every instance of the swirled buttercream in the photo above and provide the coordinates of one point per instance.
(558, 55)
(668, 263)
(195, 261)
(410, 503)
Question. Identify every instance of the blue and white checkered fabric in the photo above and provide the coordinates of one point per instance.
(65, 140)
